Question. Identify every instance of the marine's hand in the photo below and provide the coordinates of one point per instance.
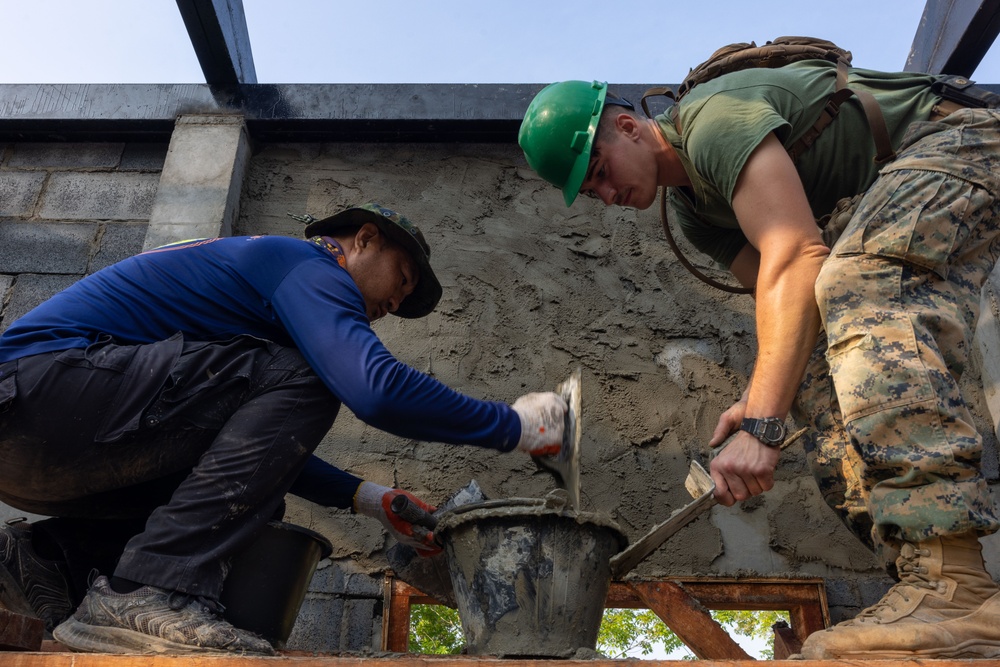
(375, 500)
(729, 422)
(543, 415)
(745, 468)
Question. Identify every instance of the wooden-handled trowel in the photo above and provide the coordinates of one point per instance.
(701, 487)
(565, 466)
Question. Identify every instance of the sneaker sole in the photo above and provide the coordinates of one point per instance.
(85, 638)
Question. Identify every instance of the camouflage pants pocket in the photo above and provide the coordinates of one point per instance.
(876, 366)
(919, 217)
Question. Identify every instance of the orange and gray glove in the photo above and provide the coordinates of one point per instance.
(543, 415)
(375, 501)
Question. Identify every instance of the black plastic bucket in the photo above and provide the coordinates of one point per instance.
(267, 583)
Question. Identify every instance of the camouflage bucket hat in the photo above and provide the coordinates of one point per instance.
(428, 292)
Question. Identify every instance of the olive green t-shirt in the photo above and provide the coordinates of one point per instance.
(723, 120)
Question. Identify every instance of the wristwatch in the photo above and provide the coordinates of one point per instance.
(770, 430)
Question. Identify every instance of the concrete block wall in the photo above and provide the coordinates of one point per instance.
(68, 210)
(342, 610)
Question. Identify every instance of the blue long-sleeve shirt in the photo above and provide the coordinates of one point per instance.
(281, 289)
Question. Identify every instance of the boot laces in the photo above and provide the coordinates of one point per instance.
(912, 575)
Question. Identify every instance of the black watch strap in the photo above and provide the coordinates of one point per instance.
(770, 430)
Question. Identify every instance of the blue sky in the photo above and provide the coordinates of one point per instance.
(446, 41)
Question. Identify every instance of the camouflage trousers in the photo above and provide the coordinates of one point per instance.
(892, 444)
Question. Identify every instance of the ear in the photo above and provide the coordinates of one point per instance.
(627, 125)
(366, 235)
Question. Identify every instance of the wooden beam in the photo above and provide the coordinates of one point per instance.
(690, 621)
(684, 602)
(324, 660)
(786, 643)
(19, 632)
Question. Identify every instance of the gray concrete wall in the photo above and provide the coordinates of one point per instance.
(531, 291)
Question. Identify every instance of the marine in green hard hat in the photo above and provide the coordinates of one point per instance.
(862, 322)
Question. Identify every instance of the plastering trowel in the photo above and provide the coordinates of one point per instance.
(701, 487)
(429, 574)
(565, 466)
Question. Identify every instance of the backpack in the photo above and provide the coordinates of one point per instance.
(778, 53)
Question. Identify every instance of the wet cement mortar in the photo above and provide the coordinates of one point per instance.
(531, 291)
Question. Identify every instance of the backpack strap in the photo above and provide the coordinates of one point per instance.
(684, 260)
(655, 91)
(873, 113)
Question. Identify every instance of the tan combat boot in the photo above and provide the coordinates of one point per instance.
(945, 606)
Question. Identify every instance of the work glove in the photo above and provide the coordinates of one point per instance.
(543, 415)
(375, 501)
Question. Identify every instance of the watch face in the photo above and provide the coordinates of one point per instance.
(774, 431)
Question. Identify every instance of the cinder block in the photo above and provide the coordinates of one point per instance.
(873, 588)
(317, 627)
(5, 284)
(99, 196)
(19, 190)
(356, 625)
(363, 585)
(119, 241)
(81, 155)
(46, 247)
(328, 578)
(841, 592)
(341, 577)
(30, 290)
(840, 614)
(143, 157)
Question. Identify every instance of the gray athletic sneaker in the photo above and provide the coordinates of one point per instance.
(152, 620)
(29, 584)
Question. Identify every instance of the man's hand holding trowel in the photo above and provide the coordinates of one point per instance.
(747, 453)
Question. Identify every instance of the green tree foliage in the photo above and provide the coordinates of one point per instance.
(435, 629)
(628, 632)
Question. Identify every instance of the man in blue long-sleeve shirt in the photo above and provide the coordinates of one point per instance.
(186, 388)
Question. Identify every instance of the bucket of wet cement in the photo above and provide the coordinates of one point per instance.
(530, 576)
(267, 583)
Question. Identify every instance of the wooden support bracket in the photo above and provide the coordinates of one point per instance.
(19, 632)
(690, 621)
(681, 602)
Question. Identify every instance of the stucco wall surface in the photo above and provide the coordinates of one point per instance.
(531, 291)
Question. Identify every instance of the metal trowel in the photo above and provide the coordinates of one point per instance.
(565, 466)
(701, 487)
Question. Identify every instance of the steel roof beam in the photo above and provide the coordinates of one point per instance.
(218, 32)
(954, 36)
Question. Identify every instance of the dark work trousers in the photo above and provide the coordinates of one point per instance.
(177, 451)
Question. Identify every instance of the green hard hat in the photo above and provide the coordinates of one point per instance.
(558, 129)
